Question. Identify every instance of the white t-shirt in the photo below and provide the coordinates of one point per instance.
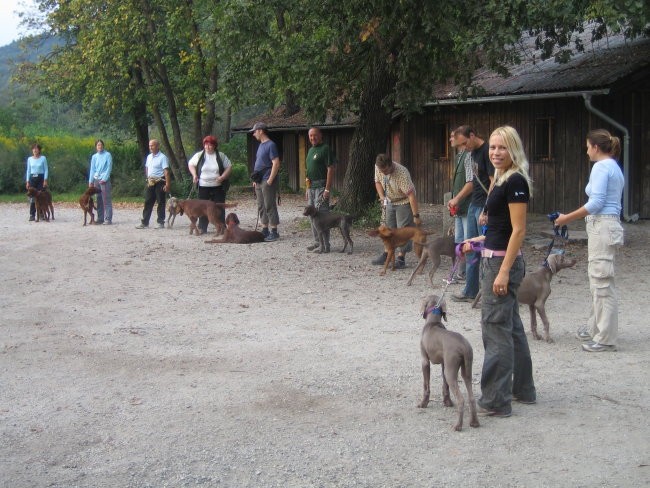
(210, 168)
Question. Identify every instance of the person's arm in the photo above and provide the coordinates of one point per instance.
(579, 213)
(464, 192)
(46, 172)
(275, 169)
(413, 201)
(598, 180)
(227, 168)
(168, 182)
(518, 222)
(192, 165)
(329, 180)
(106, 175)
(92, 171)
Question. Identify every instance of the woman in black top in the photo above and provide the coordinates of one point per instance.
(507, 367)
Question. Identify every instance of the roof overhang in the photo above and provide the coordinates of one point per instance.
(517, 98)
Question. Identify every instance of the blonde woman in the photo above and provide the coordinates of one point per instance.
(604, 235)
(507, 367)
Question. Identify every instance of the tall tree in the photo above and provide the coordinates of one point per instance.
(373, 57)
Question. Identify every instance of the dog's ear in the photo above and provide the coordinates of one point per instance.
(443, 308)
(552, 262)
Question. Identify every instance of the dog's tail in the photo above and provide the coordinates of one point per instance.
(226, 205)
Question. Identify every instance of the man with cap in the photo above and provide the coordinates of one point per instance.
(266, 181)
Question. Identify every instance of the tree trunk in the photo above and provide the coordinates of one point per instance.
(370, 138)
(227, 124)
(139, 114)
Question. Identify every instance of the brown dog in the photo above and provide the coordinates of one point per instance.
(453, 352)
(235, 234)
(87, 203)
(440, 246)
(323, 221)
(196, 208)
(393, 238)
(43, 200)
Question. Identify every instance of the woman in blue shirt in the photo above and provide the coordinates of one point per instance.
(101, 165)
(36, 176)
(605, 234)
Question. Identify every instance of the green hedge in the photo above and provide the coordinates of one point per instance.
(68, 159)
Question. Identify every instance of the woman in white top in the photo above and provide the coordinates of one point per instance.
(210, 169)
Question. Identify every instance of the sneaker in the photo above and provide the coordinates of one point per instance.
(108, 222)
(99, 222)
(598, 347)
(379, 260)
(160, 226)
(400, 263)
(265, 231)
(273, 236)
(461, 298)
(583, 334)
(313, 246)
(32, 218)
(493, 412)
(142, 226)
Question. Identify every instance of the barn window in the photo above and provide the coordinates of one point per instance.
(440, 133)
(543, 148)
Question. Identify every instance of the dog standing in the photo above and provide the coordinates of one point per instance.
(324, 221)
(87, 203)
(440, 246)
(393, 238)
(195, 208)
(43, 200)
(453, 352)
(235, 234)
(172, 210)
(535, 289)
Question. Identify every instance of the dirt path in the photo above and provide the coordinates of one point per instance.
(149, 359)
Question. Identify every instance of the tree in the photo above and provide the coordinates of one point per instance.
(376, 56)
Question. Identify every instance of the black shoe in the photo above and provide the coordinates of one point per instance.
(265, 231)
(400, 262)
(273, 236)
(523, 400)
(379, 260)
(461, 298)
(32, 218)
(493, 412)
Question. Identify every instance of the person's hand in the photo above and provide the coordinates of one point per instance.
(483, 219)
(269, 182)
(195, 179)
(452, 203)
(561, 220)
(91, 185)
(45, 184)
(166, 188)
(27, 185)
(500, 285)
(417, 221)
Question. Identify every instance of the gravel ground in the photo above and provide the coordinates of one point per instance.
(147, 358)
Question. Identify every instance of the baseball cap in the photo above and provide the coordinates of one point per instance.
(258, 125)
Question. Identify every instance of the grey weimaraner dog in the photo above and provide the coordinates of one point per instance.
(440, 246)
(535, 290)
(323, 221)
(453, 352)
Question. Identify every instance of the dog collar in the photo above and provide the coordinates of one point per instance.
(432, 310)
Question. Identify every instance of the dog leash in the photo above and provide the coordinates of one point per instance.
(558, 232)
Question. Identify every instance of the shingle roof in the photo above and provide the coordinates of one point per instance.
(279, 120)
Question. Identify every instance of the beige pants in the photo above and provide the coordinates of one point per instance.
(605, 235)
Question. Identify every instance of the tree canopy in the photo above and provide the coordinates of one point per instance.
(176, 61)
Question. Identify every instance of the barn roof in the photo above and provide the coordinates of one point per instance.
(602, 63)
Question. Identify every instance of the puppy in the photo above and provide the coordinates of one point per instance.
(196, 208)
(235, 235)
(440, 246)
(323, 221)
(43, 201)
(172, 210)
(453, 352)
(393, 238)
(87, 203)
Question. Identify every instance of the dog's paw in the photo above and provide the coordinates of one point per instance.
(457, 427)
(423, 404)
(474, 423)
(549, 339)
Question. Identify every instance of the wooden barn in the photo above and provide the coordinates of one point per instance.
(552, 106)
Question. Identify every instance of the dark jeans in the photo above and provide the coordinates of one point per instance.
(507, 365)
(153, 194)
(35, 182)
(215, 194)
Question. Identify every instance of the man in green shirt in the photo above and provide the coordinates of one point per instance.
(320, 175)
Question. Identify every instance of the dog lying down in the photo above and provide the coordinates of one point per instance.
(236, 235)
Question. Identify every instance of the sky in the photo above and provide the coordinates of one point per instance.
(9, 28)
